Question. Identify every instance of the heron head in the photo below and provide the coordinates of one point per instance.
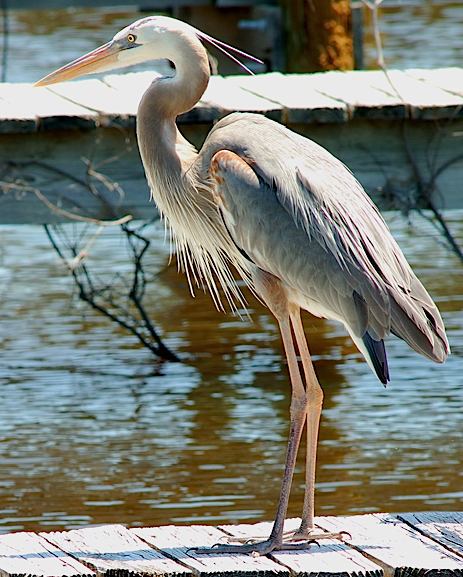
(150, 38)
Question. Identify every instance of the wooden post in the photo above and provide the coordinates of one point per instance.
(318, 35)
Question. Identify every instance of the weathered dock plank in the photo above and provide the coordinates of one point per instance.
(328, 558)
(387, 136)
(425, 100)
(380, 545)
(97, 96)
(324, 97)
(29, 554)
(227, 95)
(177, 542)
(113, 549)
(446, 528)
(397, 547)
(297, 97)
(49, 110)
(364, 95)
(448, 79)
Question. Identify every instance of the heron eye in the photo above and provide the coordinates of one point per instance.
(131, 38)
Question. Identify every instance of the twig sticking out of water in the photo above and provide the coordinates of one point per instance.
(106, 298)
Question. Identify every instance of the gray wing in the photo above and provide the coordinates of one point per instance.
(301, 215)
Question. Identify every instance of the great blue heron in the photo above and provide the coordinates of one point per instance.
(282, 211)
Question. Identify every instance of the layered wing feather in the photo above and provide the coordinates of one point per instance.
(300, 214)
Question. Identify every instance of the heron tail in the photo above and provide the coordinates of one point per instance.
(416, 320)
(377, 353)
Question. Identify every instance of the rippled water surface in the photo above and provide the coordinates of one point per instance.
(93, 430)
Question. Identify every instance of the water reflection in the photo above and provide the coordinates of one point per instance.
(93, 430)
(407, 26)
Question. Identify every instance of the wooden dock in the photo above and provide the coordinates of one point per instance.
(410, 544)
(75, 142)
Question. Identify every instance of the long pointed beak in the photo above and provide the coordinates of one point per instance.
(98, 60)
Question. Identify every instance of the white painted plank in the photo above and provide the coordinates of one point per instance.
(329, 557)
(425, 100)
(442, 526)
(220, 94)
(13, 121)
(293, 93)
(29, 554)
(304, 98)
(280, 88)
(394, 544)
(94, 95)
(177, 541)
(115, 549)
(228, 95)
(449, 79)
(357, 87)
(32, 101)
(219, 99)
(130, 87)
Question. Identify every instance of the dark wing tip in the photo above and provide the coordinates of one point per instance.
(377, 353)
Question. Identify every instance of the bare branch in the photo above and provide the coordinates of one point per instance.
(373, 6)
(106, 299)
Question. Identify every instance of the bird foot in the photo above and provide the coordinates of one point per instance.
(255, 548)
(291, 541)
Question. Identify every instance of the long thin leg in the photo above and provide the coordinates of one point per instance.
(314, 408)
(297, 417)
(314, 396)
(273, 294)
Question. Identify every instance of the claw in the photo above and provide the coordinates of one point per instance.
(243, 540)
(314, 537)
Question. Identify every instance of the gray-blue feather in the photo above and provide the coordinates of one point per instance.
(304, 217)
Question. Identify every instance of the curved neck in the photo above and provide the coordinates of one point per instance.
(165, 153)
(170, 96)
(163, 149)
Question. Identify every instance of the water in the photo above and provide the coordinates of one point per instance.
(94, 430)
(415, 34)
